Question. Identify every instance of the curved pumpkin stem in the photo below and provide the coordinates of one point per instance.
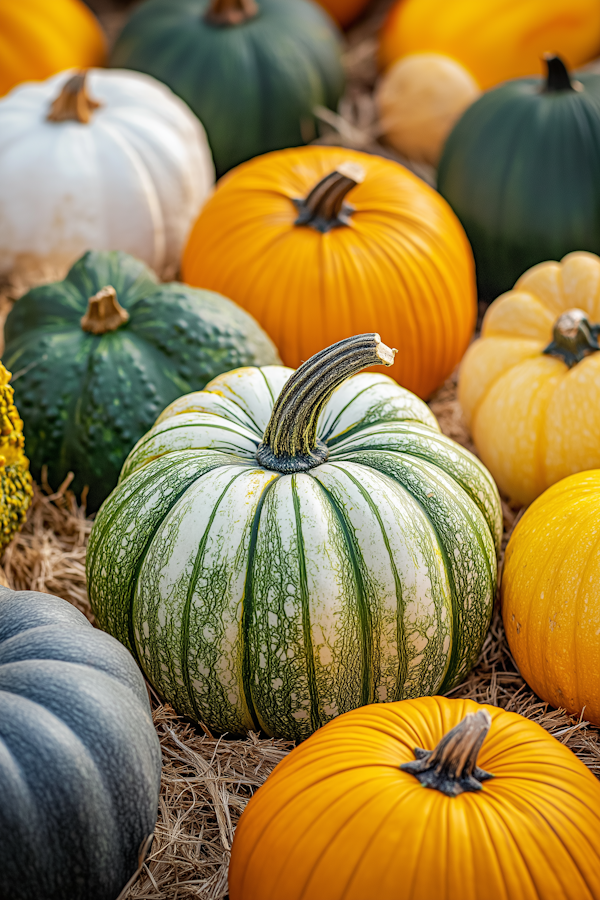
(104, 312)
(73, 104)
(324, 207)
(290, 441)
(557, 75)
(573, 338)
(223, 13)
(452, 767)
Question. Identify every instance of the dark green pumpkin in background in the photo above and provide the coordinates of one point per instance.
(521, 169)
(95, 358)
(252, 72)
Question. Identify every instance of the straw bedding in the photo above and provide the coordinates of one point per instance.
(206, 780)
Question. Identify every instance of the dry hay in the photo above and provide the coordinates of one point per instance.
(207, 781)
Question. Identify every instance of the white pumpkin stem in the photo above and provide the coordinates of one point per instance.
(573, 338)
(324, 208)
(104, 312)
(452, 767)
(73, 104)
(290, 441)
(223, 13)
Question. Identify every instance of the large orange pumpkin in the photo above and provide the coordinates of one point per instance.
(320, 243)
(509, 814)
(344, 11)
(496, 39)
(39, 38)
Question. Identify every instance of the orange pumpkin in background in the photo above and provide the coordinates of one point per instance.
(344, 11)
(320, 243)
(39, 38)
(496, 39)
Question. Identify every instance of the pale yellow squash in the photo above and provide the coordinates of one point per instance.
(534, 417)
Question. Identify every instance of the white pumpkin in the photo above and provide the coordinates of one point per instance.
(122, 164)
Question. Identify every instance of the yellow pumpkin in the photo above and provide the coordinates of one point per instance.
(280, 238)
(419, 99)
(496, 39)
(530, 386)
(510, 814)
(551, 595)
(39, 38)
(16, 488)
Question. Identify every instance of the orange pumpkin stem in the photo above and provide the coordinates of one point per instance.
(290, 442)
(452, 767)
(104, 312)
(73, 104)
(573, 338)
(324, 208)
(223, 13)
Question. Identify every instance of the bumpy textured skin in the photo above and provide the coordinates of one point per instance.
(339, 820)
(253, 86)
(402, 267)
(255, 599)
(534, 420)
(550, 601)
(79, 757)
(520, 170)
(86, 399)
(16, 489)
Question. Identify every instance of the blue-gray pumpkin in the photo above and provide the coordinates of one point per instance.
(80, 760)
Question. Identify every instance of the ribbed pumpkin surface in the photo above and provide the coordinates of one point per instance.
(339, 820)
(79, 757)
(402, 267)
(258, 599)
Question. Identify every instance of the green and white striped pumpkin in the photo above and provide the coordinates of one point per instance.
(283, 547)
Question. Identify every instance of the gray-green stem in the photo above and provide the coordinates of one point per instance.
(290, 441)
(452, 767)
(573, 338)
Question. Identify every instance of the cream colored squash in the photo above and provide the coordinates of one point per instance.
(530, 386)
(114, 161)
(419, 99)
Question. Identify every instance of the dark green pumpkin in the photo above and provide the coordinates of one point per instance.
(79, 757)
(252, 78)
(85, 399)
(521, 169)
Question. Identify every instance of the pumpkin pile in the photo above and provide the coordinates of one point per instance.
(283, 540)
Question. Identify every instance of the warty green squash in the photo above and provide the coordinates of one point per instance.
(97, 356)
(521, 171)
(80, 760)
(285, 546)
(253, 71)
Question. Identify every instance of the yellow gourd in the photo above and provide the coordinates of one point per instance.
(551, 595)
(530, 386)
(419, 99)
(15, 481)
(496, 39)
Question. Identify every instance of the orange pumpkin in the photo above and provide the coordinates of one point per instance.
(320, 243)
(509, 814)
(39, 38)
(496, 39)
(344, 11)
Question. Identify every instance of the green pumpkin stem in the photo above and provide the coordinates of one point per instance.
(290, 441)
(104, 312)
(224, 13)
(573, 338)
(324, 207)
(452, 767)
(73, 104)
(557, 76)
